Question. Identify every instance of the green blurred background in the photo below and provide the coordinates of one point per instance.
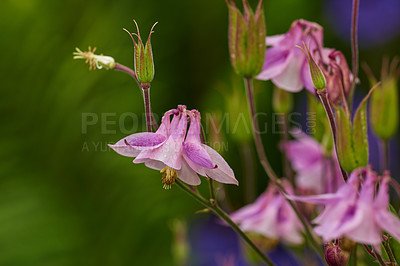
(65, 198)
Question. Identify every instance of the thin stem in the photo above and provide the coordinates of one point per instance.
(384, 155)
(256, 133)
(284, 123)
(328, 110)
(249, 168)
(221, 214)
(389, 252)
(354, 49)
(354, 256)
(127, 70)
(147, 107)
(212, 192)
(376, 256)
(270, 172)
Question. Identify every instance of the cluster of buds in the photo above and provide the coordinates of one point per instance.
(246, 38)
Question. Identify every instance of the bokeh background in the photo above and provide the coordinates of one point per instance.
(65, 198)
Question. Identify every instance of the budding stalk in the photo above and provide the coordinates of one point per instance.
(247, 34)
(317, 77)
(143, 57)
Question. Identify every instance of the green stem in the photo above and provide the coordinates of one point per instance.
(389, 252)
(354, 256)
(270, 172)
(322, 95)
(284, 124)
(212, 192)
(384, 155)
(221, 214)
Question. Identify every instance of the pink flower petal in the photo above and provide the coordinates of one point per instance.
(146, 140)
(187, 175)
(223, 173)
(196, 153)
(276, 61)
(290, 79)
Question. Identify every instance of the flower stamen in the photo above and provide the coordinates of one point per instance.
(168, 177)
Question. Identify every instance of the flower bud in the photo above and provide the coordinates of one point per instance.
(143, 57)
(335, 256)
(95, 61)
(384, 108)
(282, 101)
(317, 77)
(338, 76)
(246, 38)
(351, 138)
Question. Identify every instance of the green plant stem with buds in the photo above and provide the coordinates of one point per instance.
(323, 97)
(270, 172)
(224, 216)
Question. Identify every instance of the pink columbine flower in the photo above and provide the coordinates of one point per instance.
(271, 216)
(315, 170)
(175, 153)
(284, 63)
(356, 212)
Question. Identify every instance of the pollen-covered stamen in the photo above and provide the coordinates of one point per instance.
(168, 177)
(88, 56)
(94, 61)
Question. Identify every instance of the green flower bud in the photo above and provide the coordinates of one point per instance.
(247, 34)
(384, 106)
(317, 77)
(282, 101)
(143, 57)
(351, 138)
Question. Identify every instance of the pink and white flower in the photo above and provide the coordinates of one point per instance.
(175, 153)
(284, 63)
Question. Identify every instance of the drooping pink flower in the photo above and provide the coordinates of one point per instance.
(284, 63)
(355, 212)
(315, 170)
(271, 216)
(176, 154)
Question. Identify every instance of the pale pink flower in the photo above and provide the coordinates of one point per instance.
(271, 216)
(176, 154)
(315, 170)
(355, 212)
(284, 63)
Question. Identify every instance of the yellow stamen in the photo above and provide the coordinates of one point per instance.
(168, 177)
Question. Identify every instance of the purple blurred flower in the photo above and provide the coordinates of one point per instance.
(316, 170)
(355, 212)
(176, 156)
(283, 61)
(271, 216)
